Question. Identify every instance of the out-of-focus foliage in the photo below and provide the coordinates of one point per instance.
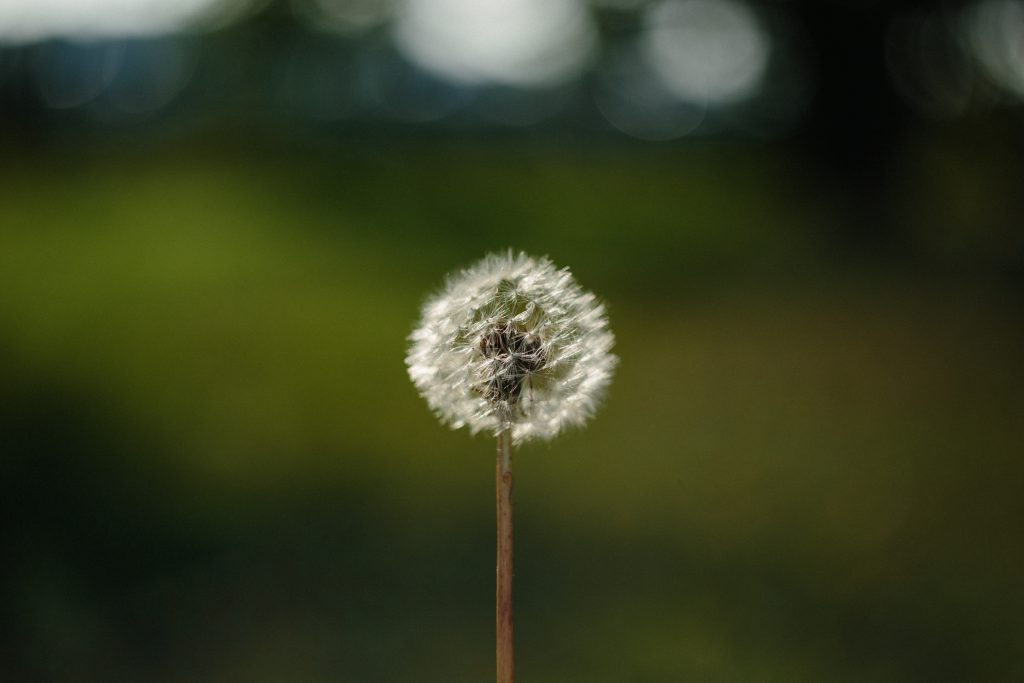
(216, 469)
(213, 245)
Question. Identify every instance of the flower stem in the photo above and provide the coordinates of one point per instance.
(505, 642)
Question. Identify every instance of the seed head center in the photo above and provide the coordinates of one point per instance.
(514, 354)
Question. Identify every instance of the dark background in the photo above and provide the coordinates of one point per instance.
(214, 241)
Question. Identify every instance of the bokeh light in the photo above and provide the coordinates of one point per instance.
(71, 74)
(25, 21)
(636, 102)
(116, 79)
(510, 42)
(150, 75)
(712, 51)
(994, 29)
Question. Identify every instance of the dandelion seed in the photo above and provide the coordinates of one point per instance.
(512, 343)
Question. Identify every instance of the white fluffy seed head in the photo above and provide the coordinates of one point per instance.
(512, 343)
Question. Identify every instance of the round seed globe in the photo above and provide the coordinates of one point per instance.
(512, 343)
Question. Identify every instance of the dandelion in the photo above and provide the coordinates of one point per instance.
(515, 347)
(512, 344)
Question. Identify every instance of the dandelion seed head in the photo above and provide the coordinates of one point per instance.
(512, 343)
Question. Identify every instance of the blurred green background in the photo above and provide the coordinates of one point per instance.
(214, 468)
